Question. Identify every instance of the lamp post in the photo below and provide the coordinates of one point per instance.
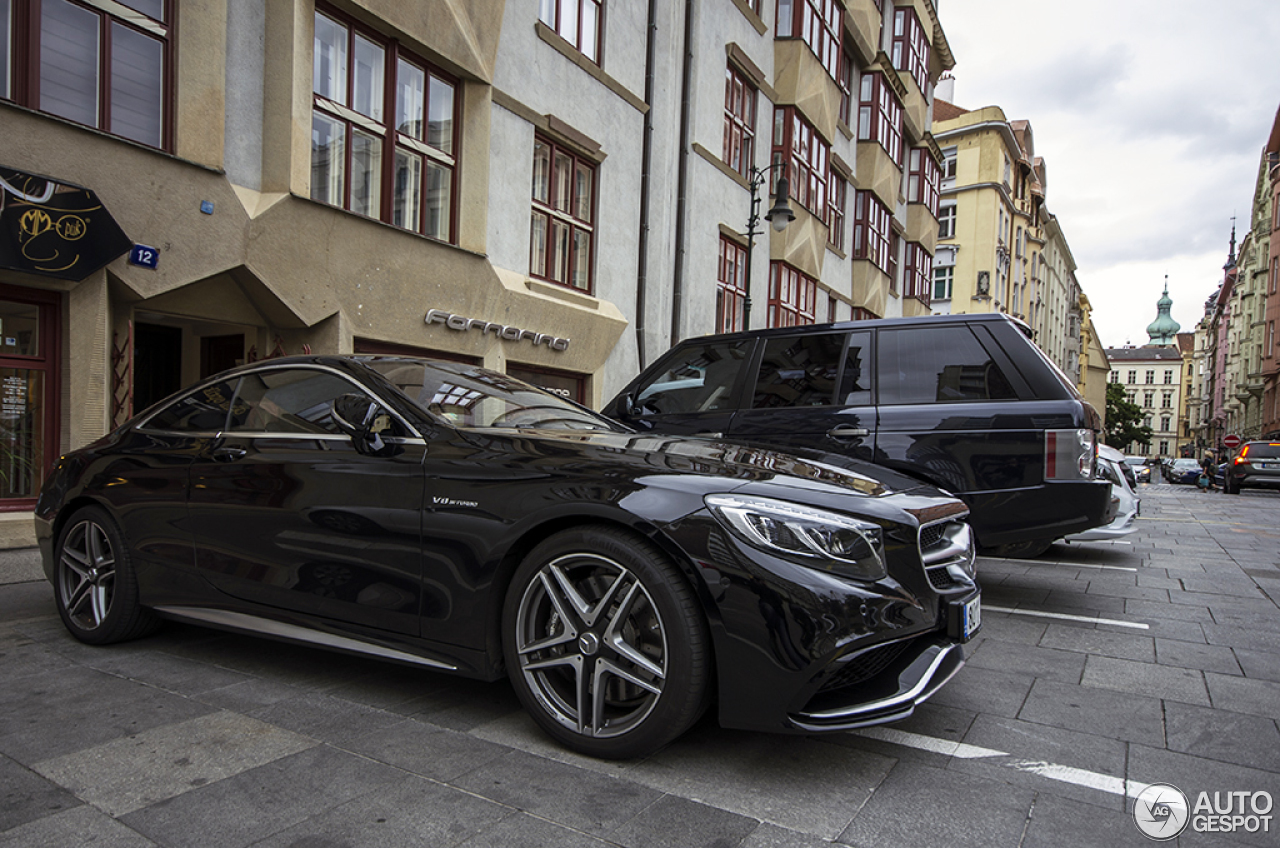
(778, 217)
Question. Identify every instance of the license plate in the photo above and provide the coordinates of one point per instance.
(971, 621)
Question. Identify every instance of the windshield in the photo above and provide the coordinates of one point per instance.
(474, 398)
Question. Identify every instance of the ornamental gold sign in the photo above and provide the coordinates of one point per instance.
(502, 331)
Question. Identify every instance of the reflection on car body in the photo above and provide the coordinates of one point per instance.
(450, 517)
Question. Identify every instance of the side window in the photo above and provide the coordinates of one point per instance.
(799, 371)
(288, 400)
(938, 365)
(701, 380)
(202, 411)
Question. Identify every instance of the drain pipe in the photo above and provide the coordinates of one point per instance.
(646, 166)
(682, 174)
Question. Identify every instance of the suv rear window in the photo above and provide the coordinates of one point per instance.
(1263, 450)
(937, 365)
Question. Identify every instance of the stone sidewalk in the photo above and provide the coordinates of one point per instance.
(1159, 662)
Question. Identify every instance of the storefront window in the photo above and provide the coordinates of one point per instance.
(28, 375)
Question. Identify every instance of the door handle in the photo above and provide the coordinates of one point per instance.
(228, 454)
(844, 431)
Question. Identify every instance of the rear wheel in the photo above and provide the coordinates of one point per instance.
(94, 585)
(605, 643)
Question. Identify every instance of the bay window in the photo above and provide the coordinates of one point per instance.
(835, 212)
(797, 142)
(925, 175)
(383, 130)
(871, 231)
(880, 115)
(816, 22)
(793, 296)
(910, 46)
(918, 276)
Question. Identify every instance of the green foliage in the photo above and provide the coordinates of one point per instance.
(1124, 420)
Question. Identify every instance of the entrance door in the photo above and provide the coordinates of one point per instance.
(218, 353)
(157, 363)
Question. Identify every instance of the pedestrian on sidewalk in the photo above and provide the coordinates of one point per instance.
(1205, 482)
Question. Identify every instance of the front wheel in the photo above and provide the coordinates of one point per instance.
(95, 588)
(605, 643)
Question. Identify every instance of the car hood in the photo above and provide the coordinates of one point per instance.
(650, 454)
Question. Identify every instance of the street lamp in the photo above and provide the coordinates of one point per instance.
(778, 217)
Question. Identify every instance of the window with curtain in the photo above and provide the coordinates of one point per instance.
(107, 65)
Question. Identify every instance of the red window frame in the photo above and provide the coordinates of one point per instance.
(797, 142)
(872, 226)
(835, 211)
(566, 17)
(793, 296)
(46, 360)
(845, 76)
(910, 45)
(731, 288)
(26, 59)
(819, 24)
(574, 217)
(739, 122)
(923, 184)
(918, 276)
(863, 314)
(400, 142)
(880, 115)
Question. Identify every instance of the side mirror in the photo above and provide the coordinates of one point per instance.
(628, 404)
(361, 418)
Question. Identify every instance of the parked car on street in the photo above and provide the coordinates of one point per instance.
(965, 402)
(1112, 467)
(453, 518)
(1255, 466)
(1141, 470)
(1183, 470)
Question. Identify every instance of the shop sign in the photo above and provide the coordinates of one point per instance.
(54, 229)
(502, 331)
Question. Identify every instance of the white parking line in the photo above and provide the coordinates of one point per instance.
(1092, 619)
(1064, 774)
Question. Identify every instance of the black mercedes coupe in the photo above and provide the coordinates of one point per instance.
(442, 515)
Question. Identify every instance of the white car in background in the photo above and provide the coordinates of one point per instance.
(1110, 468)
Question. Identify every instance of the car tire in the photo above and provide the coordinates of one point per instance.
(1023, 550)
(95, 588)
(606, 644)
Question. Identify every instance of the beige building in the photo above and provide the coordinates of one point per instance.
(1152, 378)
(999, 247)
(555, 190)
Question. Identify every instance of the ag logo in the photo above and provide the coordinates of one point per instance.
(1161, 811)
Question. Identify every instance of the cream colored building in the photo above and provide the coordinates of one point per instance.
(556, 190)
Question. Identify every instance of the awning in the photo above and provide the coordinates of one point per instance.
(54, 229)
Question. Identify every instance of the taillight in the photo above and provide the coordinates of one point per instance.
(1243, 457)
(1069, 454)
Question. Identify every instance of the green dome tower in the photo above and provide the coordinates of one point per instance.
(1163, 330)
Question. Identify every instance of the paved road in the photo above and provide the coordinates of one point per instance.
(1101, 668)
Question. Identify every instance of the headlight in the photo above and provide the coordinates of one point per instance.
(827, 541)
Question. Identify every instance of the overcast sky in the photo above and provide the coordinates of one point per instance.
(1151, 116)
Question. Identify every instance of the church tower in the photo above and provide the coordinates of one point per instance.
(1163, 330)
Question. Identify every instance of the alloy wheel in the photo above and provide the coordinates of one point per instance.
(591, 644)
(87, 575)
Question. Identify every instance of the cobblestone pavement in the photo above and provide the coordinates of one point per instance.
(1101, 668)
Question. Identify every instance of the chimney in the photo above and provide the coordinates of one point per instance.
(946, 88)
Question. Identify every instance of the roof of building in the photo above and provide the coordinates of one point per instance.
(944, 111)
(1148, 353)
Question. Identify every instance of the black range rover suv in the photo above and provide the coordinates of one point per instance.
(965, 402)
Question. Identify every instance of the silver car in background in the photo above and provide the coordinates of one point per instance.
(1111, 467)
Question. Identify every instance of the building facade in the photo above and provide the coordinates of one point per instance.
(1152, 378)
(555, 190)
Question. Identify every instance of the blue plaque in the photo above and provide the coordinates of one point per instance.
(147, 257)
